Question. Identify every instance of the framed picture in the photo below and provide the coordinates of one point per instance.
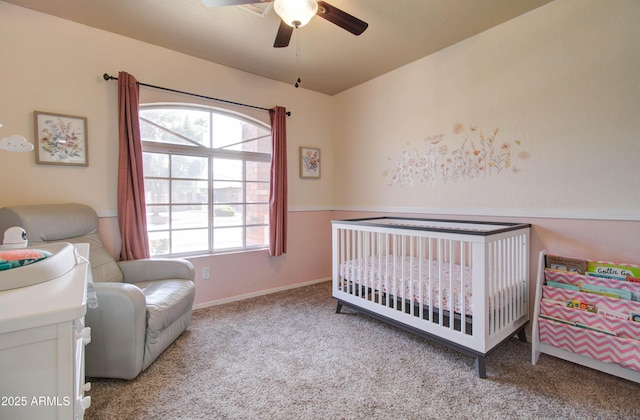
(60, 139)
(309, 162)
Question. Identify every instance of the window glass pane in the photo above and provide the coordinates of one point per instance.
(150, 132)
(192, 216)
(230, 133)
(257, 214)
(258, 171)
(257, 192)
(188, 127)
(261, 143)
(257, 235)
(227, 170)
(156, 191)
(227, 215)
(159, 243)
(189, 191)
(226, 238)
(228, 192)
(155, 164)
(226, 132)
(157, 217)
(193, 240)
(189, 167)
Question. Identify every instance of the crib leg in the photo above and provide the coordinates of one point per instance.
(339, 307)
(522, 335)
(481, 368)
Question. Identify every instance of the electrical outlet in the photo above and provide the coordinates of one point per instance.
(205, 273)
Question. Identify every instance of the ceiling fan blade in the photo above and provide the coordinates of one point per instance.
(283, 36)
(220, 3)
(340, 18)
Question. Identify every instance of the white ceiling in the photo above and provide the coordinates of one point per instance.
(330, 58)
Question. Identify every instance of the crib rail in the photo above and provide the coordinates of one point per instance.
(468, 286)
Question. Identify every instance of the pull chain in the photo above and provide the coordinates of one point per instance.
(298, 81)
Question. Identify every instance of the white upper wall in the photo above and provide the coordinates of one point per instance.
(562, 86)
(54, 65)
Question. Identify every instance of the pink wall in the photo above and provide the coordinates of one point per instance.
(243, 274)
(612, 240)
(308, 259)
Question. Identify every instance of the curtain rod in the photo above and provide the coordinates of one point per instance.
(108, 77)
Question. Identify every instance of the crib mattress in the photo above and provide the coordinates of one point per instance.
(385, 273)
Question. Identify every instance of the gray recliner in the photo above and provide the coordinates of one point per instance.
(143, 305)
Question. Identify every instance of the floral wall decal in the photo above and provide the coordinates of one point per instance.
(438, 162)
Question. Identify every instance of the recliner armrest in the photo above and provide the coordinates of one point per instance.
(135, 271)
(118, 328)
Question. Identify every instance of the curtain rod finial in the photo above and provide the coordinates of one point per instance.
(107, 77)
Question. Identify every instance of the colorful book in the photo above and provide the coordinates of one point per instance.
(600, 330)
(551, 283)
(583, 306)
(557, 262)
(560, 320)
(612, 269)
(612, 314)
(606, 291)
(554, 302)
(606, 276)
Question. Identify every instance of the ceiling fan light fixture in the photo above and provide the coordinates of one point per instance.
(295, 13)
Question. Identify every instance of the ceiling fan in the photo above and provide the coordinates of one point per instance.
(297, 13)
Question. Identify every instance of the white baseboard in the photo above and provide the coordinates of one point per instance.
(256, 294)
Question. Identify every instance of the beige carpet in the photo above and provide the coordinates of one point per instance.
(289, 356)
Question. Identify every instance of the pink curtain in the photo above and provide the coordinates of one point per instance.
(278, 192)
(132, 217)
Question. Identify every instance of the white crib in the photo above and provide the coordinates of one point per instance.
(462, 284)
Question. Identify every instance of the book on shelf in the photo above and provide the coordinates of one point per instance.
(583, 306)
(560, 285)
(617, 270)
(612, 314)
(606, 291)
(596, 289)
(554, 302)
(556, 319)
(606, 276)
(600, 330)
(623, 291)
(558, 262)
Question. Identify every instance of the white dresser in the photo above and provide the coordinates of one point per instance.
(42, 339)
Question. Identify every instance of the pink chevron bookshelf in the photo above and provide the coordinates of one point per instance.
(602, 341)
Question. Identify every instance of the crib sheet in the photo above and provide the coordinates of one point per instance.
(386, 272)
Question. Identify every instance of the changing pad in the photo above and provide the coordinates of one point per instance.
(62, 259)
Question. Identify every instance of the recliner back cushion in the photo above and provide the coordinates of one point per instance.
(50, 222)
(74, 223)
(103, 266)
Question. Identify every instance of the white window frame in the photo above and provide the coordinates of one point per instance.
(199, 150)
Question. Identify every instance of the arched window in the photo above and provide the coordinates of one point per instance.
(206, 179)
